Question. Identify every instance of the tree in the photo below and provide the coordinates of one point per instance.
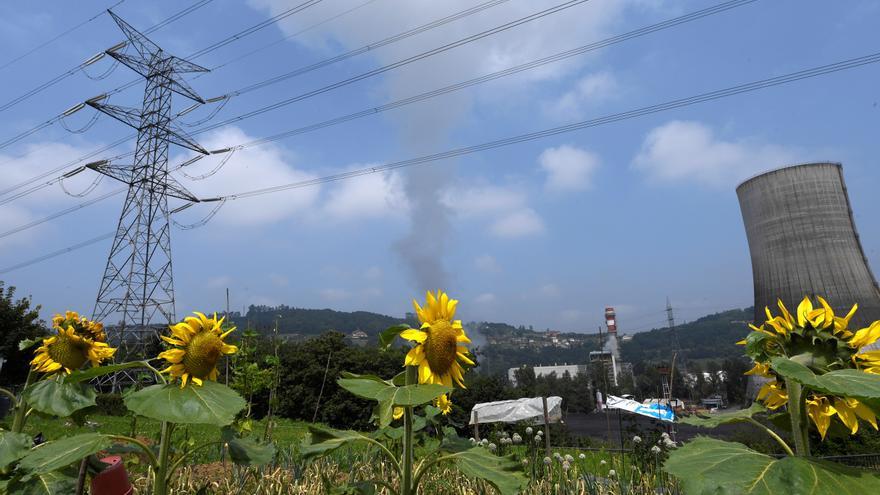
(18, 321)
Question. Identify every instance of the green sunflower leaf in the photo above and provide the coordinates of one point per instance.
(13, 446)
(57, 454)
(211, 403)
(501, 472)
(249, 452)
(714, 420)
(58, 399)
(322, 441)
(387, 336)
(26, 344)
(365, 386)
(707, 465)
(88, 374)
(51, 483)
(413, 395)
(851, 383)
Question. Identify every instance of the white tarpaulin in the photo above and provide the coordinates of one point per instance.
(656, 411)
(511, 411)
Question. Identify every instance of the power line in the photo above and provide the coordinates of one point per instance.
(383, 42)
(673, 104)
(53, 254)
(399, 63)
(616, 117)
(285, 38)
(134, 82)
(506, 72)
(366, 48)
(64, 75)
(53, 216)
(60, 35)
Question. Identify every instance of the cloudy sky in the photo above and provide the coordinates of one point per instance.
(544, 233)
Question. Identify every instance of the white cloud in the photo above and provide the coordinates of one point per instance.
(333, 294)
(373, 273)
(520, 223)
(681, 151)
(371, 196)
(549, 290)
(485, 298)
(218, 282)
(249, 169)
(587, 92)
(506, 209)
(568, 168)
(279, 280)
(487, 263)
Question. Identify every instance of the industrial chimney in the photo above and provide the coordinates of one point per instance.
(803, 241)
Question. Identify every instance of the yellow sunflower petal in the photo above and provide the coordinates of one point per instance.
(414, 335)
(803, 311)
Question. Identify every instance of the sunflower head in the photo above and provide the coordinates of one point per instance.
(440, 347)
(821, 340)
(196, 345)
(77, 341)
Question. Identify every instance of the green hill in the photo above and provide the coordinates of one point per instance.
(710, 337)
(312, 322)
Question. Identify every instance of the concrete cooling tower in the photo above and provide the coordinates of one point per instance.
(803, 241)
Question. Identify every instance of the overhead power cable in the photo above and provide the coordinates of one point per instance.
(53, 254)
(488, 77)
(372, 46)
(506, 72)
(61, 213)
(135, 82)
(288, 37)
(64, 75)
(616, 117)
(398, 64)
(704, 97)
(59, 36)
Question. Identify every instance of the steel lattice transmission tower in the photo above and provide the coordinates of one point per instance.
(138, 284)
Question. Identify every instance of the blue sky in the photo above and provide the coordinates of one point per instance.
(544, 233)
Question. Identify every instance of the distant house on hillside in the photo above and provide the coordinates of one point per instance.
(359, 338)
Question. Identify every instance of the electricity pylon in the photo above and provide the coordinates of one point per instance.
(138, 284)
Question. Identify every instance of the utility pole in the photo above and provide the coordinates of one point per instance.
(676, 345)
(137, 284)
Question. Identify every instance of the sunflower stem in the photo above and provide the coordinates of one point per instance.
(798, 413)
(406, 487)
(21, 405)
(161, 485)
(773, 435)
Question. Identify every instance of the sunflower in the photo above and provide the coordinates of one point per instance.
(443, 403)
(77, 341)
(439, 351)
(198, 344)
(828, 339)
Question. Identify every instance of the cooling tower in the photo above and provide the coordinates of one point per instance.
(803, 241)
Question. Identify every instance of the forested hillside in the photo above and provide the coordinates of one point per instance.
(308, 322)
(710, 337)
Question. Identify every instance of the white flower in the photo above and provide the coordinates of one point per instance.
(537, 438)
(566, 466)
(637, 439)
(656, 450)
(484, 442)
(602, 462)
(540, 432)
(582, 456)
(612, 473)
(529, 430)
(472, 440)
(492, 447)
(516, 438)
(557, 455)
(664, 435)
(670, 444)
(568, 458)
(547, 461)
(525, 462)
